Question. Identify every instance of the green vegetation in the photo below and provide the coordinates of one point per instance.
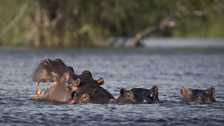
(79, 23)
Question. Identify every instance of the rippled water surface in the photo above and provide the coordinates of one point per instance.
(120, 68)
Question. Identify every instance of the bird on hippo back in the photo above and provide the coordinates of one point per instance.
(197, 95)
(64, 82)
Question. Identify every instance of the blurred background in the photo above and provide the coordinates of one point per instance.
(106, 23)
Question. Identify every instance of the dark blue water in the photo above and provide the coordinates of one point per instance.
(120, 68)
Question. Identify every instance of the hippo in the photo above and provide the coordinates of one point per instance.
(138, 96)
(94, 94)
(58, 91)
(56, 73)
(197, 95)
(90, 90)
(65, 84)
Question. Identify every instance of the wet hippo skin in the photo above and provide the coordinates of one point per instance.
(197, 95)
(90, 90)
(66, 85)
(138, 96)
(90, 93)
(50, 71)
(58, 92)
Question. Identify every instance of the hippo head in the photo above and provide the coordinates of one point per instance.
(198, 95)
(85, 89)
(90, 91)
(127, 96)
(73, 82)
(151, 95)
(50, 71)
(59, 91)
(138, 96)
(60, 76)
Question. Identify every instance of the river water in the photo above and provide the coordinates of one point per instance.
(121, 68)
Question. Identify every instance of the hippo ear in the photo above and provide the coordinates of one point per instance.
(154, 91)
(154, 88)
(100, 81)
(213, 90)
(122, 92)
(46, 61)
(71, 69)
(182, 91)
(77, 82)
(210, 91)
(87, 74)
(190, 91)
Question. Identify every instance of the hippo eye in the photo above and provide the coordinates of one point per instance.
(74, 94)
(95, 91)
(69, 81)
(128, 95)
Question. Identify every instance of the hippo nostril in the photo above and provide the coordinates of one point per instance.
(200, 99)
(85, 96)
(74, 95)
(48, 60)
(128, 95)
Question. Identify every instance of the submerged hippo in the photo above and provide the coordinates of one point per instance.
(138, 96)
(89, 90)
(65, 83)
(90, 93)
(197, 95)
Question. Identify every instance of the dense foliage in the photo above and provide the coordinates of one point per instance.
(75, 23)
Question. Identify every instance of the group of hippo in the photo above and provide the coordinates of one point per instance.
(68, 87)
